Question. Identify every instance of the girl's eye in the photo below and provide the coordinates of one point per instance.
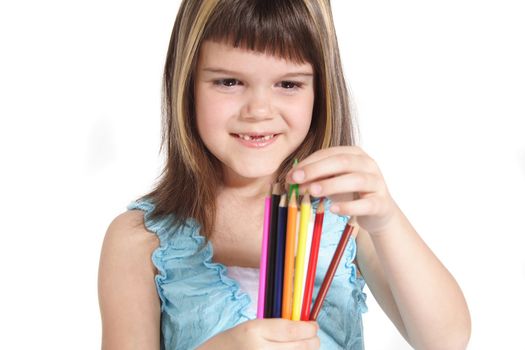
(225, 82)
(288, 83)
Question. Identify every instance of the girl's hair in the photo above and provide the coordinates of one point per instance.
(296, 30)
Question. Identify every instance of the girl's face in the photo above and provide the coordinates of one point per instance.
(252, 110)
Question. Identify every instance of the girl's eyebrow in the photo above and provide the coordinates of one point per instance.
(229, 72)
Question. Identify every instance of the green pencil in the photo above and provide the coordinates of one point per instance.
(294, 187)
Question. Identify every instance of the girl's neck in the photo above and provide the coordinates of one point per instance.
(249, 192)
(245, 188)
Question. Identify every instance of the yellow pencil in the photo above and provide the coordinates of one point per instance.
(309, 236)
(298, 285)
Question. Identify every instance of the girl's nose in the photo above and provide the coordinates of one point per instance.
(258, 106)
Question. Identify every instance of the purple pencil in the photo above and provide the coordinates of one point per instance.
(264, 256)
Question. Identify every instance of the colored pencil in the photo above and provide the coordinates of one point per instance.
(309, 235)
(312, 263)
(272, 242)
(264, 257)
(294, 187)
(279, 257)
(299, 259)
(338, 254)
(289, 257)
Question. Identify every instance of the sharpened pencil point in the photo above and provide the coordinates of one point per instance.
(293, 200)
(276, 190)
(355, 225)
(282, 202)
(320, 208)
(306, 199)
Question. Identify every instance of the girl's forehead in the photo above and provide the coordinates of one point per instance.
(223, 54)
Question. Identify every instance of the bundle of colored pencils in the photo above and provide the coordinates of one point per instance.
(290, 250)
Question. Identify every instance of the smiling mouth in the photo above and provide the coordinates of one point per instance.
(256, 138)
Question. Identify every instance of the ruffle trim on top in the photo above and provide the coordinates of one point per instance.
(157, 257)
(237, 293)
(360, 296)
(357, 293)
(350, 268)
(173, 244)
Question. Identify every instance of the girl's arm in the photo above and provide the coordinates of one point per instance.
(129, 304)
(414, 289)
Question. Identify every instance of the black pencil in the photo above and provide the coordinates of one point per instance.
(272, 242)
(279, 258)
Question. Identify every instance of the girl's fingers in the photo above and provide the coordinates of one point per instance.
(327, 152)
(359, 207)
(332, 165)
(353, 182)
(281, 330)
(306, 344)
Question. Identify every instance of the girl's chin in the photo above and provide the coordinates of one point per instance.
(252, 171)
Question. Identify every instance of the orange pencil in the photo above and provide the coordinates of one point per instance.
(289, 257)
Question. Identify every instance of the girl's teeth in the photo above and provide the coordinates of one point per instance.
(250, 138)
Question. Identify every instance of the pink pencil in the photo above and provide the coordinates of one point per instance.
(264, 256)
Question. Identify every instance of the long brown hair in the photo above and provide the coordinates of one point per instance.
(297, 30)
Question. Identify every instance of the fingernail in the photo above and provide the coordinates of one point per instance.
(298, 175)
(315, 189)
(334, 209)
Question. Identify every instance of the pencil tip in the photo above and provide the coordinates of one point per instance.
(293, 200)
(355, 226)
(320, 208)
(306, 198)
(282, 202)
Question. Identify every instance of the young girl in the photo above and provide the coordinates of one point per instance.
(249, 86)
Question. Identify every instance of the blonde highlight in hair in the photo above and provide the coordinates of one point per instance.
(187, 50)
(296, 30)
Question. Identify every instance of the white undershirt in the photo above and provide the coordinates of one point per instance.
(248, 279)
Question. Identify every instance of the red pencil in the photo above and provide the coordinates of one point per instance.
(312, 262)
(327, 281)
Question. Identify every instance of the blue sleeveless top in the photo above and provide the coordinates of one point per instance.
(199, 300)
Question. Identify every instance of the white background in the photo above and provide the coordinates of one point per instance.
(439, 89)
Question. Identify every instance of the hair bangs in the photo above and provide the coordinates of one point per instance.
(278, 28)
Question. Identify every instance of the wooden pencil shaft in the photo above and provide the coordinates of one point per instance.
(300, 259)
(264, 257)
(272, 242)
(289, 258)
(312, 265)
(279, 258)
(327, 281)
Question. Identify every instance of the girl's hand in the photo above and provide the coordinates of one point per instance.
(271, 333)
(342, 172)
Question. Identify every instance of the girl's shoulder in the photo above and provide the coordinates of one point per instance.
(127, 295)
(127, 235)
(130, 225)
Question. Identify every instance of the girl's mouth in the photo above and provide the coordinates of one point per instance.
(255, 141)
(255, 137)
